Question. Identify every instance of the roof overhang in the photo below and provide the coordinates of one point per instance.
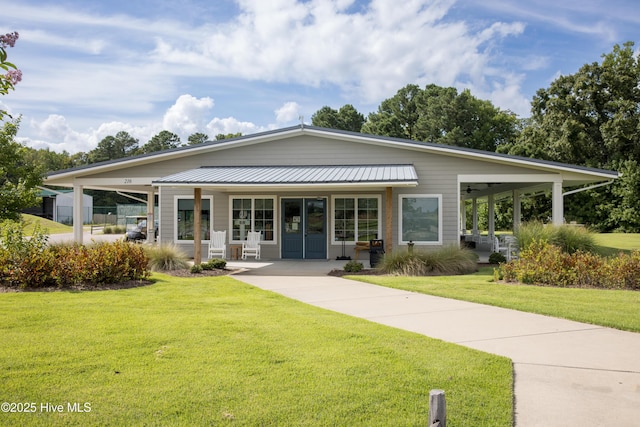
(284, 177)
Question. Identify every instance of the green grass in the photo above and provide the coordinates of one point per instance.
(215, 351)
(612, 243)
(51, 226)
(611, 308)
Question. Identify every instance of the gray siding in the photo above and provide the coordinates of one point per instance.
(437, 174)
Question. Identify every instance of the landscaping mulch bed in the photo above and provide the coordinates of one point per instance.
(364, 272)
(124, 285)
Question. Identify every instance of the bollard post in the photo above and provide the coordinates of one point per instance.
(437, 409)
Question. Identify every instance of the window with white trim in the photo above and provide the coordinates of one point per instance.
(185, 218)
(252, 213)
(356, 218)
(420, 218)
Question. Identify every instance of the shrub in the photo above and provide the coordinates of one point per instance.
(353, 266)
(28, 262)
(107, 230)
(117, 262)
(214, 263)
(24, 260)
(497, 258)
(568, 238)
(166, 257)
(546, 264)
(196, 268)
(448, 260)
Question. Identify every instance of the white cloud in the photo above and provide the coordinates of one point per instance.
(111, 72)
(56, 130)
(187, 115)
(370, 54)
(231, 125)
(289, 112)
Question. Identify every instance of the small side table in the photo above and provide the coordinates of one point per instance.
(235, 251)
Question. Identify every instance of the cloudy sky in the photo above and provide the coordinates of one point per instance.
(92, 68)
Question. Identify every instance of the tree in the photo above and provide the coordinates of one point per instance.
(14, 75)
(198, 138)
(347, 118)
(165, 140)
(49, 160)
(442, 115)
(221, 136)
(592, 118)
(114, 147)
(397, 116)
(18, 176)
(460, 119)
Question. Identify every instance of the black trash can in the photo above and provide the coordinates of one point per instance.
(376, 251)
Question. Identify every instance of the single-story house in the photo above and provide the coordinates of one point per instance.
(311, 192)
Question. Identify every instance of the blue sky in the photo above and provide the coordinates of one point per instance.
(94, 68)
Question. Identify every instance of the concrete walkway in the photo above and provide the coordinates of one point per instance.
(566, 373)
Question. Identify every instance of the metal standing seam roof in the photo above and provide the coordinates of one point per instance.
(323, 174)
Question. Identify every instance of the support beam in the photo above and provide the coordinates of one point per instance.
(492, 216)
(78, 214)
(474, 208)
(517, 209)
(388, 223)
(463, 217)
(557, 204)
(197, 226)
(151, 195)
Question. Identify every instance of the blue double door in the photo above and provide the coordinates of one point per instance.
(304, 228)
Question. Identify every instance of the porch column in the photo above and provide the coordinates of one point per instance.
(491, 214)
(197, 226)
(388, 224)
(557, 204)
(517, 209)
(463, 217)
(151, 195)
(78, 217)
(474, 208)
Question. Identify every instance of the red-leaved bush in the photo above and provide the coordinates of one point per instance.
(31, 263)
(545, 264)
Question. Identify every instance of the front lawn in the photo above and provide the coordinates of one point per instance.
(611, 308)
(215, 351)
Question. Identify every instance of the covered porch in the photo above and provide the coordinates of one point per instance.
(490, 189)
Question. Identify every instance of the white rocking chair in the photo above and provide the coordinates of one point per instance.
(251, 246)
(217, 244)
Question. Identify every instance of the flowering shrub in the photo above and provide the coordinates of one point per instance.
(31, 263)
(13, 75)
(546, 264)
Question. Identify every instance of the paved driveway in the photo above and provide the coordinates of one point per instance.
(566, 373)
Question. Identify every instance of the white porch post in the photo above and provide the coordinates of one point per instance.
(474, 207)
(557, 204)
(197, 226)
(78, 216)
(463, 216)
(492, 219)
(151, 195)
(388, 221)
(517, 209)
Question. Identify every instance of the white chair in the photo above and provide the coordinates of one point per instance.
(504, 250)
(512, 245)
(218, 245)
(251, 246)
